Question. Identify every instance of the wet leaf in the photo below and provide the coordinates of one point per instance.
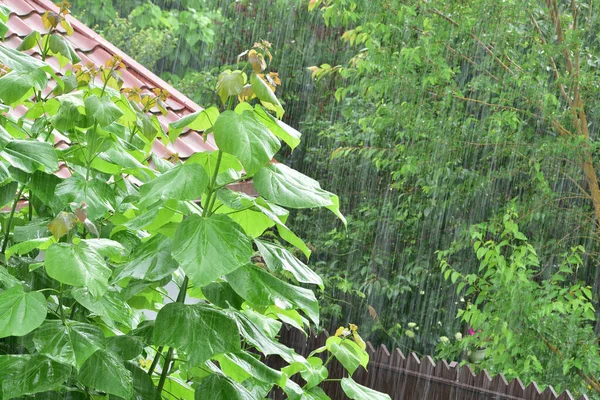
(245, 137)
(62, 224)
(208, 248)
(21, 312)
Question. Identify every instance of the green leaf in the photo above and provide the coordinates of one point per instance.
(24, 63)
(277, 258)
(21, 312)
(198, 121)
(102, 109)
(245, 137)
(230, 84)
(30, 155)
(29, 245)
(289, 188)
(242, 365)
(14, 86)
(222, 295)
(256, 336)
(98, 196)
(348, 353)
(359, 392)
(8, 193)
(266, 95)
(143, 387)
(315, 393)
(62, 224)
(78, 265)
(208, 160)
(278, 128)
(29, 41)
(218, 387)
(38, 374)
(263, 289)
(109, 305)
(208, 248)
(125, 347)
(285, 233)
(70, 344)
(105, 372)
(184, 182)
(151, 261)
(200, 330)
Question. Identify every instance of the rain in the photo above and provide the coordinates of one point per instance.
(461, 141)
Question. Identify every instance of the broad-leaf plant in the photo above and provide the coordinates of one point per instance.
(95, 228)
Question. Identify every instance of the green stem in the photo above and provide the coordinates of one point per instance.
(30, 206)
(209, 198)
(167, 365)
(11, 217)
(155, 361)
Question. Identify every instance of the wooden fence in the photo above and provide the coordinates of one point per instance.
(411, 378)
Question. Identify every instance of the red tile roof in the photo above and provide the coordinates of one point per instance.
(26, 16)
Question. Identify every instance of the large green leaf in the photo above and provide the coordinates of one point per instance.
(285, 232)
(200, 330)
(208, 160)
(104, 371)
(198, 121)
(348, 353)
(72, 343)
(184, 182)
(280, 129)
(256, 336)
(14, 86)
(24, 63)
(152, 261)
(78, 265)
(98, 196)
(208, 248)
(263, 289)
(102, 109)
(30, 155)
(8, 192)
(109, 306)
(38, 374)
(245, 137)
(266, 95)
(219, 387)
(277, 258)
(21, 312)
(143, 387)
(289, 188)
(243, 365)
(359, 392)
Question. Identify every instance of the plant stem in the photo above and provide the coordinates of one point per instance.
(167, 365)
(30, 206)
(10, 219)
(155, 361)
(209, 199)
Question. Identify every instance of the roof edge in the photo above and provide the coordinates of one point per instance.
(151, 76)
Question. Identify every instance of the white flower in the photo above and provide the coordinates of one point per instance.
(444, 339)
(458, 336)
(440, 323)
(462, 299)
(422, 292)
(411, 325)
(410, 334)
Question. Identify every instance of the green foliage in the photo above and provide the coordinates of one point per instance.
(91, 254)
(531, 322)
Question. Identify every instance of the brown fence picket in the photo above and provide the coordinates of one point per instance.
(412, 378)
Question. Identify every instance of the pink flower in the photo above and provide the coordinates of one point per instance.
(471, 332)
